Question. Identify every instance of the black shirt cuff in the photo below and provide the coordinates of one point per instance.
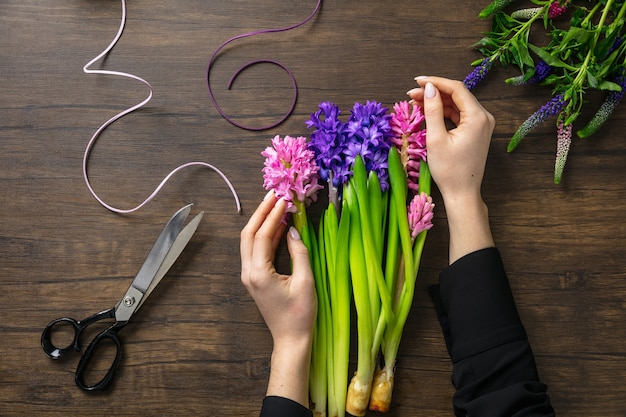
(274, 406)
(475, 305)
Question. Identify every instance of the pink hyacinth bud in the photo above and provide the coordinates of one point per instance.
(420, 214)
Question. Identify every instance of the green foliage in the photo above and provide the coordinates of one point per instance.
(587, 52)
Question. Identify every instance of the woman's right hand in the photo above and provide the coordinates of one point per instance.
(457, 158)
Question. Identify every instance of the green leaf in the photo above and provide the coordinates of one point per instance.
(572, 117)
(373, 261)
(581, 35)
(609, 86)
(593, 82)
(549, 58)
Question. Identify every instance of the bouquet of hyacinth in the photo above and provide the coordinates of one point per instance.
(587, 55)
(368, 243)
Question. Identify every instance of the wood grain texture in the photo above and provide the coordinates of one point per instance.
(199, 346)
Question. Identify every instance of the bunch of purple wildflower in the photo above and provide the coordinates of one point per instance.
(589, 55)
(553, 107)
(541, 71)
(611, 101)
(478, 73)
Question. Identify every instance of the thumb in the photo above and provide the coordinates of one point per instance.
(433, 113)
(299, 254)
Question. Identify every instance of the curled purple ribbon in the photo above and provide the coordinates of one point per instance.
(251, 63)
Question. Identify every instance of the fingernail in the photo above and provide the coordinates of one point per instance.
(413, 102)
(413, 91)
(429, 91)
(420, 77)
(294, 233)
(268, 195)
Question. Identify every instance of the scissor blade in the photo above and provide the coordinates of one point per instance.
(161, 248)
(181, 242)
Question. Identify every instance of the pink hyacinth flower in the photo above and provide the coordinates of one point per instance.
(421, 212)
(290, 170)
(409, 138)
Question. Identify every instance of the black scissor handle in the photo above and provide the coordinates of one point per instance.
(46, 338)
(83, 365)
(56, 352)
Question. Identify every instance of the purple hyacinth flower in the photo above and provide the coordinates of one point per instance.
(478, 74)
(368, 133)
(553, 107)
(328, 142)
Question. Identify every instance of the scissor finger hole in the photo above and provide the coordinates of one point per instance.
(62, 334)
(100, 362)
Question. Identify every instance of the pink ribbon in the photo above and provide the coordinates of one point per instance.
(121, 114)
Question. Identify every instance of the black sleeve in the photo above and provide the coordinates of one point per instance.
(274, 406)
(494, 369)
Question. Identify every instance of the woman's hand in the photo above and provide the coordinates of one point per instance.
(288, 303)
(457, 158)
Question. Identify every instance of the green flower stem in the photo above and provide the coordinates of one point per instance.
(425, 181)
(325, 304)
(378, 211)
(399, 187)
(360, 386)
(620, 15)
(320, 355)
(393, 332)
(392, 261)
(587, 20)
(336, 234)
(300, 220)
(522, 32)
(318, 375)
(411, 257)
(378, 289)
(392, 256)
(576, 86)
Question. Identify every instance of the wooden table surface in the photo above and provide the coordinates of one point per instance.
(199, 346)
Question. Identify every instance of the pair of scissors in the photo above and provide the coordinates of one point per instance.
(162, 256)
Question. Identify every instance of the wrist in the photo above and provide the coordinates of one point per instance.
(289, 373)
(468, 223)
(291, 350)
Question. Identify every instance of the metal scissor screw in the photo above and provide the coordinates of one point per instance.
(129, 301)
